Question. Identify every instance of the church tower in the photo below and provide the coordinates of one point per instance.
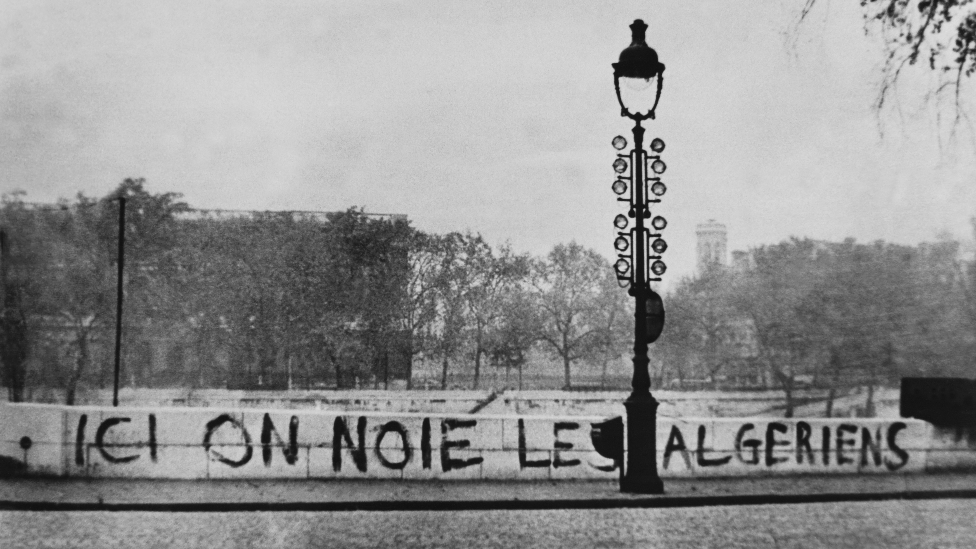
(712, 238)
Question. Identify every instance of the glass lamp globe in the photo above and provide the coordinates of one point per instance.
(657, 145)
(659, 246)
(658, 166)
(621, 243)
(638, 95)
(638, 76)
(658, 267)
(658, 189)
(619, 186)
(619, 142)
(620, 165)
(659, 223)
(620, 221)
(622, 266)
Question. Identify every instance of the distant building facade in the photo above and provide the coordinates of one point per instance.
(712, 244)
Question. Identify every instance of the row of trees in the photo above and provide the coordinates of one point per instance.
(832, 314)
(280, 299)
(291, 299)
(497, 306)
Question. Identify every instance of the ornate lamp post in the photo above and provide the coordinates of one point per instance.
(642, 76)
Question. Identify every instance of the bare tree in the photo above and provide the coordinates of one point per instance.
(937, 34)
(517, 330)
(571, 286)
(491, 276)
(452, 285)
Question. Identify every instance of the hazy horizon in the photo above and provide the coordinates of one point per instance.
(490, 117)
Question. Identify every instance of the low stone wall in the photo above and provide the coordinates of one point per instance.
(343, 400)
(169, 442)
(235, 443)
(714, 404)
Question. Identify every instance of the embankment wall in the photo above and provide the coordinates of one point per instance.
(209, 443)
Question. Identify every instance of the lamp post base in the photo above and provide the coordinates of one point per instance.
(640, 476)
(654, 486)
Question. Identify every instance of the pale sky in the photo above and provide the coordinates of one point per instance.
(491, 116)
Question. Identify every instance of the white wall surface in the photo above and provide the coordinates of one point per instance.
(171, 442)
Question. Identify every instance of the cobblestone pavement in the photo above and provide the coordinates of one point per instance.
(895, 523)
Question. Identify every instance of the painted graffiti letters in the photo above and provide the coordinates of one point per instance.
(298, 443)
(340, 433)
(105, 447)
(213, 426)
(825, 445)
(774, 446)
(700, 452)
(268, 430)
(523, 451)
(100, 440)
(803, 432)
(449, 463)
(80, 440)
(843, 442)
(425, 450)
(893, 446)
(874, 444)
(397, 428)
(752, 444)
(152, 438)
(559, 445)
(676, 443)
(772, 443)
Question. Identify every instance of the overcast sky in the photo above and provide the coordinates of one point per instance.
(491, 116)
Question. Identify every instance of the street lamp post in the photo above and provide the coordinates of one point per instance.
(118, 301)
(641, 75)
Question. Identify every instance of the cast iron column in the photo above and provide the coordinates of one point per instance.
(118, 301)
(641, 475)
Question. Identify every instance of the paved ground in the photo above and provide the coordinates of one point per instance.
(215, 495)
(888, 524)
(836, 511)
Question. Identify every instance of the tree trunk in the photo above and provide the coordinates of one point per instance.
(520, 373)
(336, 362)
(830, 402)
(202, 359)
(568, 385)
(13, 354)
(289, 363)
(888, 366)
(603, 373)
(477, 360)
(80, 364)
(869, 404)
(788, 393)
(835, 380)
(872, 381)
(444, 374)
(410, 370)
(786, 382)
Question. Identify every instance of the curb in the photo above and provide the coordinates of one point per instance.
(487, 505)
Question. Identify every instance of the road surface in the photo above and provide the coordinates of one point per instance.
(893, 523)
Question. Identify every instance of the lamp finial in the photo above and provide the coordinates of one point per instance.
(638, 31)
